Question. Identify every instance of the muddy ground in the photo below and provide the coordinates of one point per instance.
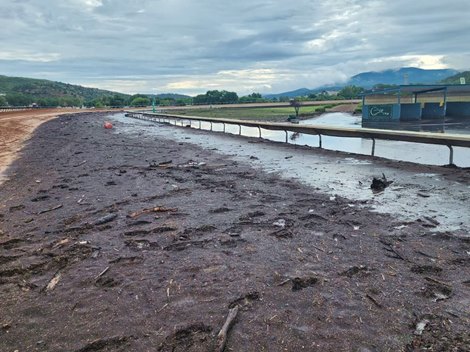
(109, 242)
(16, 126)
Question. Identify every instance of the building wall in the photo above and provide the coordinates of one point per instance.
(381, 112)
(433, 111)
(410, 112)
(459, 109)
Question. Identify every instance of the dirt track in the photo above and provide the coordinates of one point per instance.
(113, 242)
(16, 127)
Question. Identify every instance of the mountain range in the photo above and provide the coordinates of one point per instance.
(404, 75)
(27, 90)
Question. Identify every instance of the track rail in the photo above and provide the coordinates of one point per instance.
(449, 140)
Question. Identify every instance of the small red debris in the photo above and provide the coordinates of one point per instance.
(108, 125)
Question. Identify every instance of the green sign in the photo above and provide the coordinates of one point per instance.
(380, 111)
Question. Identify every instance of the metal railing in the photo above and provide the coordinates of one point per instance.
(449, 140)
(14, 108)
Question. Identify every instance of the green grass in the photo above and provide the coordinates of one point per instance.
(248, 113)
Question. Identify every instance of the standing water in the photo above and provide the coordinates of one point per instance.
(329, 173)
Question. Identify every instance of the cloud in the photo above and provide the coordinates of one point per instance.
(257, 45)
(23, 55)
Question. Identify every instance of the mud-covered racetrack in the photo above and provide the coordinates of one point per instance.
(115, 242)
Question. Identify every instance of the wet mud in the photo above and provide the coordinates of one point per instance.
(121, 242)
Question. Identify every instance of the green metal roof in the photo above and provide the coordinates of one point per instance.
(420, 89)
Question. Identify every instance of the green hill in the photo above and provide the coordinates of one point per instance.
(18, 91)
(455, 79)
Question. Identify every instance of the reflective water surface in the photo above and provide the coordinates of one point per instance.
(395, 150)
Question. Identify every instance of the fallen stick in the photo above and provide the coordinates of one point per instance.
(374, 301)
(102, 273)
(223, 333)
(157, 209)
(284, 282)
(54, 281)
(83, 162)
(50, 209)
(321, 250)
(105, 219)
(427, 278)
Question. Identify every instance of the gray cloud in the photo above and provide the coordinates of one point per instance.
(263, 45)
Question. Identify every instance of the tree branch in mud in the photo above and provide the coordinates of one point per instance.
(223, 333)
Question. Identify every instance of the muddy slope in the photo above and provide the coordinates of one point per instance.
(120, 243)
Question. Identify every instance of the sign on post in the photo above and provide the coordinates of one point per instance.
(380, 111)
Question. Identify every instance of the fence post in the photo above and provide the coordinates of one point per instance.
(451, 155)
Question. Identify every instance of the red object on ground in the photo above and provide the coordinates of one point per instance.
(108, 125)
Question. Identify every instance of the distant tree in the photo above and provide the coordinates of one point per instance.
(181, 102)
(252, 98)
(135, 96)
(48, 102)
(216, 97)
(228, 97)
(350, 92)
(3, 101)
(296, 104)
(16, 99)
(140, 101)
(200, 99)
(324, 95)
(117, 101)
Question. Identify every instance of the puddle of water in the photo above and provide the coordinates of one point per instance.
(394, 150)
(411, 196)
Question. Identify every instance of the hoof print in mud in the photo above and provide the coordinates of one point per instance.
(245, 300)
(191, 338)
(299, 283)
(360, 270)
(426, 269)
(436, 291)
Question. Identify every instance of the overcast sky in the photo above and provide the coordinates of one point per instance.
(191, 46)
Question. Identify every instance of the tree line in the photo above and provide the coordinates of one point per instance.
(141, 100)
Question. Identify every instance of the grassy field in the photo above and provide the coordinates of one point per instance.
(272, 114)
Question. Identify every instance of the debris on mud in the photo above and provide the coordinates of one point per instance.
(379, 184)
(299, 283)
(355, 270)
(194, 337)
(223, 333)
(157, 261)
(107, 343)
(157, 209)
(105, 219)
(245, 300)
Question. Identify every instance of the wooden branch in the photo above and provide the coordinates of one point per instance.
(223, 333)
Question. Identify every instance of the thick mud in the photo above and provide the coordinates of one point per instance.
(116, 242)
